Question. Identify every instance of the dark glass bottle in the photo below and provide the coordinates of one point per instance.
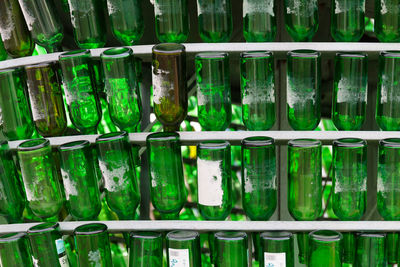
(301, 19)
(259, 20)
(325, 249)
(231, 249)
(277, 249)
(370, 250)
(347, 20)
(183, 249)
(146, 249)
(15, 250)
(387, 20)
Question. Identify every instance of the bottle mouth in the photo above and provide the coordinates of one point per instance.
(390, 142)
(305, 143)
(214, 144)
(276, 235)
(43, 227)
(90, 229)
(304, 53)
(326, 235)
(75, 53)
(75, 145)
(257, 141)
(182, 235)
(349, 142)
(256, 54)
(33, 144)
(163, 137)
(117, 52)
(111, 136)
(169, 48)
(230, 236)
(212, 55)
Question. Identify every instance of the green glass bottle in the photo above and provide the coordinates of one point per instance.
(213, 90)
(47, 244)
(350, 91)
(392, 248)
(388, 95)
(183, 249)
(80, 90)
(93, 245)
(387, 20)
(117, 166)
(146, 249)
(171, 20)
(231, 249)
(3, 52)
(214, 180)
(15, 250)
(259, 20)
(301, 19)
(347, 20)
(13, 30)
(259, 185)
(43, 22)
(80, 181)
(258, 90)
(370, 250)
(277, 249)
(16, 123)
(126, 20)
(325, 249)
(121, 88)
(303, 89)
(40, 177)
(169, 85)
(46, 99)
(167, 184)
(88, 22)
(215, 20)
(12, 199)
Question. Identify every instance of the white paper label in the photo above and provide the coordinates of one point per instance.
(209, 180)
(274, 259)
(64, 261)
(178, 257)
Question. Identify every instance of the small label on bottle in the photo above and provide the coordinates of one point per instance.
(62, 256)
(63, 261)
(60, 246)
(178, 257)
(274, 259)
(209, 174)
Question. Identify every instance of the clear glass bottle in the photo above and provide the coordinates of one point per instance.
(301, 19)
(259, 20)
(347, 20)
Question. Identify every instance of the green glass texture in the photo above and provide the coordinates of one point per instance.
(277, 249)
(3, 52)
(387, 20)
(303, 246)
(167, 184)
(12, 199)
(388, 95)
(231, 249)
(259, 20)
(80, 90)
(214, 181)
(88, 23)
(213, 90)
(388, 182)
(349, 248)
(13, 30)
(40, 177)
(118, 169)
(93, 245)
(43, 22)
(171, 20)
(16, 123)
(15, 250)
(46, 99)
(121, 88)
(392, 246)
(80, 181)
(215, 20)
(350, 91)
(349, 178)
(347, 20)
(126, 20)
(370, 250)
(304, 179)
(169, 85)
(258, 90)
(303, 89)
(146, 249)
(183, 249)
(325, 249)
(259, 185)
(301, 19)
(47, 244)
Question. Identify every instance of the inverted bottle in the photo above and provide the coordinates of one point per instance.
(347, 20)
(183, 248)
(371, 250)
(387, 20)
(15, 250)
(146, 249)
(259, 20)
(325, 249)
(231, 249)
(277, 249)
(301, 19)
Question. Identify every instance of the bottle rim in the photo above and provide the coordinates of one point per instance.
(230, 235)
(10, 237)
(213, 144)
(390, 142)
(390, 54)
(117, 52)
(91, 229)
(326, 236)
(351, 55)
(212, 55)
(74, 53)
(42, 65)
(43, 227)
(304, 53)
(182, 235)
(371, 235)
(276, 235)
(145, 235)
(350, 142)
(304, 143)
(257, 141)
(33, 144)
(9, 70)
(74, 145)
(256, 54)
(108, 137)
(163, 137)
(168, 48)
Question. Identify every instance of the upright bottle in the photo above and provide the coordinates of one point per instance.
(259, 185)
(277, 249)
(371, 250)
(213, 90)
(325, 249)
(303, 89)
(231, 249)
(350, 91)
(215, 20)
(47, 104)
(43, 22)
(88, 23)
(146, 249)
(169, 84)
(40, 177)
(171, 20)
(301, 19)
(126, 20)
(15, 250)
(258, 90)
(388, 95)
(259, 20)
(387, 20)
(347, 20)
(13, 30)
(214, 180)
(16, 123)
(183, 249)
